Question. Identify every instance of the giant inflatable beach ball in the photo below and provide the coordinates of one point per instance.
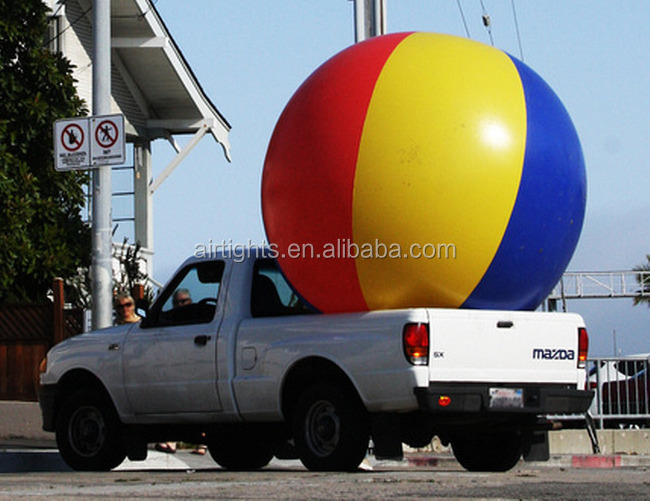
(419, 169)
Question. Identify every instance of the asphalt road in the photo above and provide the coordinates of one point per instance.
(42, 474)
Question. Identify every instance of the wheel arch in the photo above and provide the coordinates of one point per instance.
(309, 371)
(75, 380)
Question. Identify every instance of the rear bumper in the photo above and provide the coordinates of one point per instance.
(475, 398)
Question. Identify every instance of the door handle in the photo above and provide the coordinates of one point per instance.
(202, 340)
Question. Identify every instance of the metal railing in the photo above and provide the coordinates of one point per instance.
(633, 284)
(622, 387)
(602, 284)
(621, 393)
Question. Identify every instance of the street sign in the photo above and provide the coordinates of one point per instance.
(71, 144)
(82, 143)
(107, 146)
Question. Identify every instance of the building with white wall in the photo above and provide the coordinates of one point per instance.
(152, 85)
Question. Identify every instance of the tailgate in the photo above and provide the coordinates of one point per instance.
(504, 347)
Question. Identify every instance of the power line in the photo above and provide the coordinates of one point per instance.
(486, 22)
(61, 4)
(72, 23)
(151, 6)
(462, 16)
(139, 17)
(83, 14)
(514, 15)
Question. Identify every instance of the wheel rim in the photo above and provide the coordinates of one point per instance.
(323, 430)
(87, 431)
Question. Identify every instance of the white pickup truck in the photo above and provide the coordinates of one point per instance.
(248, 369)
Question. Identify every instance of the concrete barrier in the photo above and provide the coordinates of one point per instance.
(634, 442)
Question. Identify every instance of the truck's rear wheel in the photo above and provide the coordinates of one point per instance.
(88, 433)
(330, 428)
(239, 452)
(487, 451)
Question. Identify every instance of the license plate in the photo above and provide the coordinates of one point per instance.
(506, 398)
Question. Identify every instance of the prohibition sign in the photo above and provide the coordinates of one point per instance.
(72, 137)
(106, 134)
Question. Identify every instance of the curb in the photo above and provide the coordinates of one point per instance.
(596, 461)
(578, 461)
(423, 461)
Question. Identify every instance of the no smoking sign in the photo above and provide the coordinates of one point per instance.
(81, 143)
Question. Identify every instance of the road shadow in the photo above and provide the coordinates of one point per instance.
(22, 461)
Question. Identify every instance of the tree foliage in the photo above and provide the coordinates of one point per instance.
(643, 279)
(42, 234)
(130, 272)
(127, 273)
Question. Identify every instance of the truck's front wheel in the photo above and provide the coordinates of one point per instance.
(330, 429)
(487, 451)
(88, 433)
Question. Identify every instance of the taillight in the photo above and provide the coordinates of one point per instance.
(416, 343)
(583, 347)
(444, 400)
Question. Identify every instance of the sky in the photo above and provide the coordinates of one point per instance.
(251, 55)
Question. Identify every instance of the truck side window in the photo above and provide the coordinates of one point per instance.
(191, 298)
(271, 295)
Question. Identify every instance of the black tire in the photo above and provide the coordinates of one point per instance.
(330, 428)
(238, 452)
(497, 452)
(89, 433)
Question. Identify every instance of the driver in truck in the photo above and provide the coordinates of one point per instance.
(181, 298)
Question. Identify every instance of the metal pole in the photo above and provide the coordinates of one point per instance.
(359, 20)
(369, 19)
(101, 267)
(379, 18)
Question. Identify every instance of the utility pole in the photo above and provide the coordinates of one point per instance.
(102, 238)
(369, 19)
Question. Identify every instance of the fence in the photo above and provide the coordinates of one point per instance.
(622, 386)
(27, 331)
